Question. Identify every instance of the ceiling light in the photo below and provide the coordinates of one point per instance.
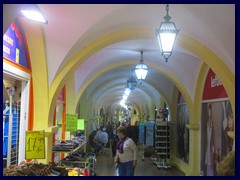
(125, 96)
(141, 69)
(122, 103)
(132, 82)
(166, 35)
(127, 91)
(32, 12)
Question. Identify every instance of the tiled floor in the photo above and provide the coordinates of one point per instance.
(105, 167)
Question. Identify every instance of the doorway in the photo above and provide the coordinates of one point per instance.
(15, 114)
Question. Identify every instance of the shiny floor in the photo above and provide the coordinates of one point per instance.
(105, 167)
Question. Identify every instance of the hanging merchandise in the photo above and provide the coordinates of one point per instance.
(141, 132)
(6, 113)
(150, 133)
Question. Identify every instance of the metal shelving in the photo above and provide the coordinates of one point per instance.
(81, 164)
(162, 144)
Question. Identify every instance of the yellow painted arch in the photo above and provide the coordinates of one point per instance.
(167, 73)
(158, 90)
(214, 62)
(131, 101)
(161, 93)
(141, 96)
(103, 88)
(190, 44)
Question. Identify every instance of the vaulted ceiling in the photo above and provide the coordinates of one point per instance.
(71, 27)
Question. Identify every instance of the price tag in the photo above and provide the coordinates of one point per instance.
(35, 145)
(71, 122)
(80, 124)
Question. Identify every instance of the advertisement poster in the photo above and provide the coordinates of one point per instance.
(217, 120)
(182, 133)
(14, 48)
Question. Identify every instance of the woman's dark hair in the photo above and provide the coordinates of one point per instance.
(122, 130)
(79, 133)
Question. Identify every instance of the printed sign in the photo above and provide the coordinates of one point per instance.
(71, 122)
(35, 145)
(217, 121)
(14, 48)
(213, 88)
(80, 124)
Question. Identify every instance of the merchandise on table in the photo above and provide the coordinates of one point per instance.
(35, 169)
(65, 146)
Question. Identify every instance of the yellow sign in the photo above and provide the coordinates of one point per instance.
(71, 122)
(35, 145)
(17, 55)
(80, 124)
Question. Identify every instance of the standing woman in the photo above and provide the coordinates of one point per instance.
(114, 141)
(126, 157)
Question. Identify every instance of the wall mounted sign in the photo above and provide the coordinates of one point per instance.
(35, 145)
(14, 45)
(71, 122)
(80, 124)
(213, 88)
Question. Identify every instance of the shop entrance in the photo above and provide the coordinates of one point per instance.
(15, 113)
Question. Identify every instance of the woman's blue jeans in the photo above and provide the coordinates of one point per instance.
(126, 169)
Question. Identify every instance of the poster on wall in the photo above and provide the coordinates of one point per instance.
(14, 48)
(217, 120)
(182, 133)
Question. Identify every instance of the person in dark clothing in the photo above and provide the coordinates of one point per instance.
(109, 130)
(97, 148)
(114, 140)
(132, 132)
